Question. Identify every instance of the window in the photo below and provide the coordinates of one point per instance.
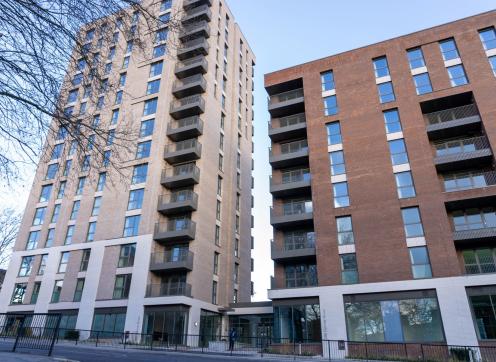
(139, 174)
(349, 269)
(60, 193)
(97, 201)
(67, 167)
(214, 292)
(397, 149)
(161, 35)
(150, 107)
(345, 230)
(457, 75)
(216, 263)
(327, 79)
(218, 210)
(100, 102)
(57, 289)
(153, 87)
(43, 264)
(87, 92)
(341, 196)
(56, 213)
(52, 171)
(46, 190)
(86, 163)
(115, 116)
(219, 185)
(333, 133)
(236, 273)
(412, 222)
(416, 58)
(39, 216)
(404, 184)
(26, 266)
(90, 34)
(381, 67)
(106, 158)
(392, 121)
(107, 69)
(488, 38)
(135, 199)
(156, 69)
(85, 259)
(102, 178)
(118, 97)
(129, 46)
(484, 308)
(122, 79)
(131, 226)
(78, 292)
(75, 209)
(50, 237)
(421, 266)
(330, 106)
(492, 63)
(336, 159)
(57, 151)
(221, 162)
(78, 78)
(386, 92)
(32, 240)
(121, 286)
(236, 248)
(126, 256)
(143, 149)
(68, 235)
(64, 260)
(35, 292)
(422, 83)
(164, 19)
(80, 186)
(159, 51)
(300, 275)
(147, 127)
(72, 96)
(165, 5)
(19, 293)
(217, 235)
(90, 235)
(474, 219)
(82, 108)
(448, 49)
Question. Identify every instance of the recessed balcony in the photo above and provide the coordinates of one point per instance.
(174, 230)
(185, 128)
(198, 13)
(468, 180)
(194, 30)
(179, 202)
(290, 184)
(289, 155)
(188, 4)
(301, 251)
(462, 153)
(476, 235)
(287, 103)
(189, 86)
(291, 215)
(288, 127)
(193, 48)
(189, 67)
(180, 176)
(187, 107)
(183, 151)
(172, 261)
(168, 290)
(453, 121)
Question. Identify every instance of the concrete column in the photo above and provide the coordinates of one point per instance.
(194, 319)
(48, 281)
(332, 318)
(8, 283)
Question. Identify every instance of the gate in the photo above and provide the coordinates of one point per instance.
(29, 331)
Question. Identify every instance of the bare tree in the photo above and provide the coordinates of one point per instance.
(9, 225)
(38, 39)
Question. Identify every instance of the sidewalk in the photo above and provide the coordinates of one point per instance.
(27, 357)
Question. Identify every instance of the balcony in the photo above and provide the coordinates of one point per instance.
(198, 13)
(190, 67)
(172, 261)
(174, 230)
(178, 202)
(183, 151)
(303, 280)
(462, 153)
(195, 30)
(464, 237)
(180, 176)
(453, 121)
(289, 155)
(193, 48)
(469, 180)
(188, 4)
(292, 214)
(290, 184)
(168, 290)
(284, 128)
(185, 128)
(287, 103)
(187, 107)
(189, 86)
(302, 250)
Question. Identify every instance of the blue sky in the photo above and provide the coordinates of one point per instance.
(283, 33)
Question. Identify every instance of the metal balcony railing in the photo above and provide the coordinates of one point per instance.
(468, 180)
(286, 96)
(292, 208)
(178, 197)
(287, 121)
(186, 63)
(189, 80)
(462, 145)
(194, 26)
(168, 289)
(171, 256)
(197, 10)
(451, 114)
(174, 225)
(183, 146)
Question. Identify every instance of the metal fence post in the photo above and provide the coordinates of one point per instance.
(366, 352)
(422, 351)
(329, 349)
(56, 334)
(97, 335)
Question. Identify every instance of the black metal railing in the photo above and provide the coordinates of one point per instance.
(451, 114)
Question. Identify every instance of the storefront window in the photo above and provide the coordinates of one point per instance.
(251, 327)
(108, 323)
(166, 324)
(484, 312)
(300, 323)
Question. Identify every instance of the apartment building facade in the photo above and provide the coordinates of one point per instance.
(383, 186)
(163, 246)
